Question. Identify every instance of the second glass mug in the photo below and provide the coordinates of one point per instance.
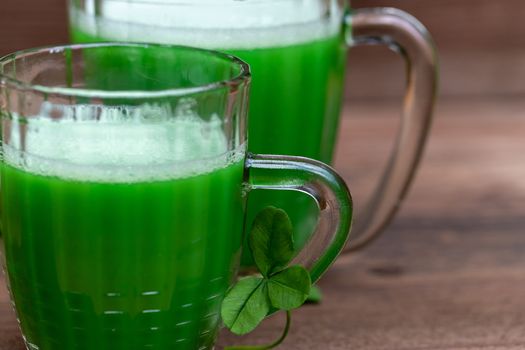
(297, 51)
(123, 194)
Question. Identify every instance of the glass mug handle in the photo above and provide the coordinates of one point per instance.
(407, 36)
(325, 186)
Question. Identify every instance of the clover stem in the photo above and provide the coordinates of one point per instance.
(270, 346)
(285, 332)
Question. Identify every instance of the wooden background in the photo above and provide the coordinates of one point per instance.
(481, 47)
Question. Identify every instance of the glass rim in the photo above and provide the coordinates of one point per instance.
(243, 76)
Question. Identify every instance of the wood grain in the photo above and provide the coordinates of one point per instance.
(480, 42)
(448, 273)
(31, 23)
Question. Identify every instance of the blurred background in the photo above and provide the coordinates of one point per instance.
(478, 41)
(447, 273)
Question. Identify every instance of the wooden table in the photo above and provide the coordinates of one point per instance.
(449, 273)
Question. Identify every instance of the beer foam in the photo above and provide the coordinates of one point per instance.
(212, 24)
(122, 144)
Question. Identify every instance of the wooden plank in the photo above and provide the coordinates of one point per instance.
(480, 49)
(29, 23)
(448, 273)
(465, 24)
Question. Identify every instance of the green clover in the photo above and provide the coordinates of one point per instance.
(280, 287)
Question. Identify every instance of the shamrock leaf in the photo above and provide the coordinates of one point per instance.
(289, 288)
(271, 240)
(245, 305)
(279, 288)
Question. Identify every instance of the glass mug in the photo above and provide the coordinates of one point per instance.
(297, 52)
(123, 193)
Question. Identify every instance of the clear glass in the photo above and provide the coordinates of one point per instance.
(297, 51)
(124, 176)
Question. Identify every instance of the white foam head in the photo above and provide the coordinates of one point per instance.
(123, 144)
(214, 24)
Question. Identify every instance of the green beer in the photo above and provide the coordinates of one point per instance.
(297, 69)
(135, 252)
(124, 177)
